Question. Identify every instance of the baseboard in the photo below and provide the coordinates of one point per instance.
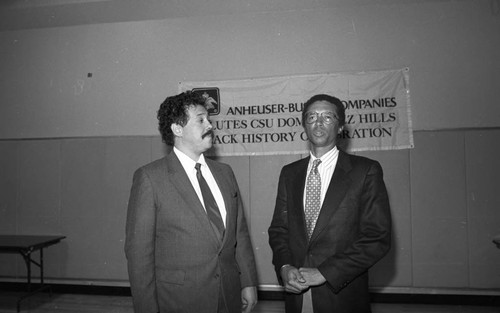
(476, 300)
(277, 295)
(68, 288)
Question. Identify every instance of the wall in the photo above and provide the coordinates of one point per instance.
(444, 207)
(451, 48)
(78, 108)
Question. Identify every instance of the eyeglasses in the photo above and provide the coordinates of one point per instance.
(326, 117)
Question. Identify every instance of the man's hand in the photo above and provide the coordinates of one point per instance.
(293, 280)
(248, 299)
(312, 276)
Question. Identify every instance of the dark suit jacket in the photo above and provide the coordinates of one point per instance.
(175, 262)
(352, 232)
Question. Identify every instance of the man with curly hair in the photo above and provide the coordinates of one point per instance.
(187, 241)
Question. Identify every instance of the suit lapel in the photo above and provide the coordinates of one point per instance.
(297, 185)
(180, 180)
(337, 189)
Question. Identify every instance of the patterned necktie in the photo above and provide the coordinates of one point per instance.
(313, 197)
(210, 204)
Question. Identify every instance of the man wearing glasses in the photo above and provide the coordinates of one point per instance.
(331, 220)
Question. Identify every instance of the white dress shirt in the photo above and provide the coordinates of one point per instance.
(189, 167)
(325, 169)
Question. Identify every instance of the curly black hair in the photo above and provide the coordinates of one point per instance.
(331, 99)
(174, 111)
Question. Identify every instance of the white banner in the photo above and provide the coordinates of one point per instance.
(263, 116)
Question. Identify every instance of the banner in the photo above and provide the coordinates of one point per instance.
(263, 116)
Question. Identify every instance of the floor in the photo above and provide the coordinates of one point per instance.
(78, 303)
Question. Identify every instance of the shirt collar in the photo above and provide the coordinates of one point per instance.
(187, 162)
(327, 159)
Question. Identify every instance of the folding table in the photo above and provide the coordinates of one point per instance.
(25, 245)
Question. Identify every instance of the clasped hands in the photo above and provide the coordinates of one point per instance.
(298, 280)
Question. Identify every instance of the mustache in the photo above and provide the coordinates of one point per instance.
(208, 133)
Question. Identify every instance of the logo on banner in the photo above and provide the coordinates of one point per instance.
(212, 99)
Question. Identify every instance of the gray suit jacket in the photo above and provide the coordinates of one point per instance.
(175, 261)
